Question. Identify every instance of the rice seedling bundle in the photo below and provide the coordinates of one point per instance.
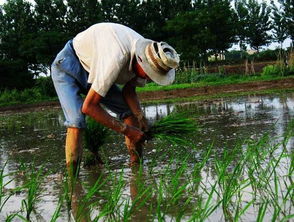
(94, 137)
(174, 128)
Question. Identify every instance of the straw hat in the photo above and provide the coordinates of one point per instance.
(158, 59)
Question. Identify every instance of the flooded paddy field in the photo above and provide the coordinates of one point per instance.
(237, 167)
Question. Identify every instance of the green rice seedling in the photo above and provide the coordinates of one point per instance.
(197, 168)
(205, 205)
(111, 209)
(67, 190)
(11, 218)
(94, 137)
(35, 178)
(261, 211)
(86, 203)
(160, 213)
(174, 128)
(3, 199)
(57, 211)
(140, 194)
(137, 203)
(175, 184)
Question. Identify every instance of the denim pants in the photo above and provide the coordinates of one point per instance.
(70, 81)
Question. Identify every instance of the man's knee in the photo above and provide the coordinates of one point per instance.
(78, 122)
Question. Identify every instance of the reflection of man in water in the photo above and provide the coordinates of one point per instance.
(80, 210)
(93, 63)
(137, 187)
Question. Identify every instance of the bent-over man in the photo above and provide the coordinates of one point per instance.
(94, 63)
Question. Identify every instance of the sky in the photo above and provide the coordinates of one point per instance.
(271, 46)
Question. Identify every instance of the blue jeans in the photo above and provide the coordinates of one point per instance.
(70, 81)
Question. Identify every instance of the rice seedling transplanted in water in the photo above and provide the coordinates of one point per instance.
(94, 137)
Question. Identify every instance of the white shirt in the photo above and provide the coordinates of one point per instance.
(106, 51)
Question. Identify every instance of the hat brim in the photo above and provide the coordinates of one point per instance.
(159, 78)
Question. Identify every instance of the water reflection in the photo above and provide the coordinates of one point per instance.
(39, 137)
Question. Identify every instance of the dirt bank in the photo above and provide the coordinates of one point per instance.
(177, 93)
(211, 90)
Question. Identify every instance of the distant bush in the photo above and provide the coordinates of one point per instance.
(278, 70)
(270, 70)
(43, 90)
(10, 97)
(45, 84)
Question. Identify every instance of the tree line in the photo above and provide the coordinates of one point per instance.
(31, 34)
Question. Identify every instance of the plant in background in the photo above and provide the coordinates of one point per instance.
(281, 68)
(174, 128)
(270, 70)
(94, 137)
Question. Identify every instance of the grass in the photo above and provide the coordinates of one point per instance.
(220, 95)
(250, 181)
(36, 95)
(212, 80)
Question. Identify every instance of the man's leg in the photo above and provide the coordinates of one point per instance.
(73, 149)
(68, 92)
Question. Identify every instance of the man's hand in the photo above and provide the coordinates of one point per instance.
(134, 134)
(143, 123)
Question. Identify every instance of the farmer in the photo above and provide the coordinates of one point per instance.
(93, 63)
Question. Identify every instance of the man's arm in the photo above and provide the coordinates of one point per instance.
(92, 108)
(131, 98)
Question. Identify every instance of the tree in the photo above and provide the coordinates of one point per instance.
(288, 8)
(191, 35)
(129, 13)
(222, 25)
(257, 27)
(153, 20)
(258, 24)
(50, 15)
(242, 15)
(279, 24)
(17, 24)
(209, 28)
(51, 34)
(82, 14)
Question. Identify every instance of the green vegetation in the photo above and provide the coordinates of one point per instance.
(280, 68)
(32, 33)
(33, 191)
(253, 180)
(95, 136)
(175, 128)
(43, 90)
(222, 95)
(209, 80)
(187, 79)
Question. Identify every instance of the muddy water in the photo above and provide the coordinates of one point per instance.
(32, 140)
